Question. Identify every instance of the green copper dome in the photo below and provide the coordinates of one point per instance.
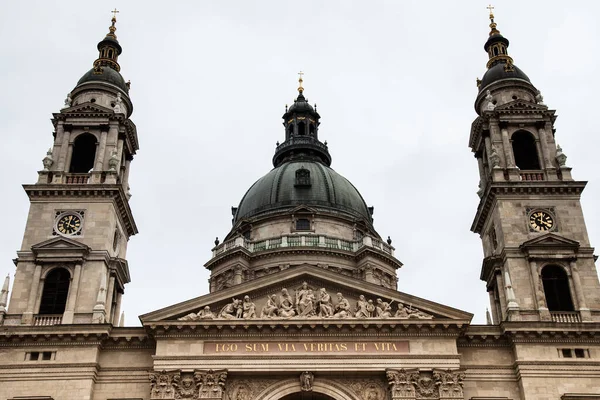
(302, 182)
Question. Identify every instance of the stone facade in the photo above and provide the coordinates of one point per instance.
(303, 309)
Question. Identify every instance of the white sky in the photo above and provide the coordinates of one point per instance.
(394, 82)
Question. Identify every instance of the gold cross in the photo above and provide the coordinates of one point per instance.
(114, 13)
(491, 8)
(300, 74)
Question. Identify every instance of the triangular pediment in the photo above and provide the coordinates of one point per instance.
(59, 248)
(550, 240)
(87, 108)
(302, 209)
(261, 289)
(521, 105)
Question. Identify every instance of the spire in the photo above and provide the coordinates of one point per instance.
(497, 46)
(301, 122)
(109, 48)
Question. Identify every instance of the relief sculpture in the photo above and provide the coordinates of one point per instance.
(437, 385)
(309, 302)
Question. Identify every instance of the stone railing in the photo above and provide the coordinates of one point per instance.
(532, 175)
(323, 241)
(565, 316)
(77, 179)
(48, 319)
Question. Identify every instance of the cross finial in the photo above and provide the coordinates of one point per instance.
(491, 8)
(114, 13)
(300, 80)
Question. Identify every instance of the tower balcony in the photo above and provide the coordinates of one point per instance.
(304, 144)
(565, 316)
(308, 240)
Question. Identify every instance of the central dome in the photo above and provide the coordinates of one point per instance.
(302, 182)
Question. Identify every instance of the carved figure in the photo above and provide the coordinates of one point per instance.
(118, 104)
(539, 98)
(68, 101)
(489, 106)
(210, 384)
(188, 317)
(286, 304)
(300, 294)
(113, 161)
(229, 311)
(383, 309)
(411, 312)
(494, 158)
(306, 381)
(324, 304)
(48, 160)
(270, 309)
(342, 308)
(249, 308)
(186, 388)
(361, 308)
(307, 305)
(401, 312)
(561, 157)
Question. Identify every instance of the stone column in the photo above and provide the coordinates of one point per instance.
(538, 292)
(513, 171)
(27, 318)
(125, 177)
(62, 157)
(579, 293)
(100, 156)
(237, 274)
(494, 307)
(72, 299)
(117, 310)
(501, 295)
(109, 297)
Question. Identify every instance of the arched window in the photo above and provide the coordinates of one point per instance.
(110, 54)
(311, 129)
(56, 289)
(556, 288)
(303, 224)
(84, 153)
(301, 128)
(495, 51)
(525, 151)
(290, 130)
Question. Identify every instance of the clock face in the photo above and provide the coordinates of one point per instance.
(68, 224)
(541, 221)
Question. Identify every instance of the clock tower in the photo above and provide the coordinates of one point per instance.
(538, 265)
(71, 267)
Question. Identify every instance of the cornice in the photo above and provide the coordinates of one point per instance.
(501, 190)
(115, 192)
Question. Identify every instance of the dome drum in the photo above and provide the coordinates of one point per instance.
(305, 145)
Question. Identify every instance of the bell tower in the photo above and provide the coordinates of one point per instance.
(538, 265)
(72, 266)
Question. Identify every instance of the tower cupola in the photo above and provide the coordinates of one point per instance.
(301, 123)
(109, 48)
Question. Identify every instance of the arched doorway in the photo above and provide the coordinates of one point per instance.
(307, 396)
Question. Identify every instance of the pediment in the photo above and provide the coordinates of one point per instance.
(550, 240)
(258, 291)
(87, 108)
(59, 248)
(302, 209)
(521, 105)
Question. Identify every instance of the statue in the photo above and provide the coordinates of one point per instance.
(68, 101)
(48, 160)
(494, 158)
(324, 304)
(361, 308)
(230, 310)
(113, 161)
(539, 98)
(411, 313)
(118, 104)
(384, 310)
(206, 313)
(561, 157)
(490, 106)
(270, 309)
(300, 298)
(286, 304)
(342, 308)
(248, 308)
(306, 381)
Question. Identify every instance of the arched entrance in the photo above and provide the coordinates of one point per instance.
(322, 389)
(307, 396)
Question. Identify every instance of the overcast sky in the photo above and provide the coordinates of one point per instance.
(394, 82)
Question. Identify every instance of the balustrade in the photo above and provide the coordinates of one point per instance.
(531, 175)
(296, 240)
(46, 320)
(565, 316)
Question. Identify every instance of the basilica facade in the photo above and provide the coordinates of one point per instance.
(303, 300)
